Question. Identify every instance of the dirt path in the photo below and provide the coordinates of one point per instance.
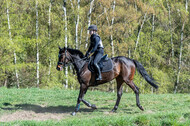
(34, 112)
(30, 115)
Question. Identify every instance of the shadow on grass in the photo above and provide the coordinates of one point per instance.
(55, 109)
(41, 109)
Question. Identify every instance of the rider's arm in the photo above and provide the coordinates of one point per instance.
(87, 53)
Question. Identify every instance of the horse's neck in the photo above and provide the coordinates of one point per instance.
(78, 63)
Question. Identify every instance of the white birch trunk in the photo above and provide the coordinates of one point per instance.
(171, 34)
(138, 36)
(49, 36)
(65, 19)
(15, 60)
(77, 24)
(112, 21)
(80, 36)
(37, 48)
(49, 20)
(89, 20)
(180, 55)
(152, 89)
(129, 53)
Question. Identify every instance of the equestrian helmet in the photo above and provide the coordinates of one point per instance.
(92, 27)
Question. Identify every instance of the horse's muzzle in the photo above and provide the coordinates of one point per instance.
(59, 68)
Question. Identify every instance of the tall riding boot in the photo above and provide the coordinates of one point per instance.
(98, 71)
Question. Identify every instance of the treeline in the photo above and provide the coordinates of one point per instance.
(154, 32)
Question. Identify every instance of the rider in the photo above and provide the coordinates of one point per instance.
(97, 47)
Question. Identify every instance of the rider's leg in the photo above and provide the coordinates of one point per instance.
(97, 58)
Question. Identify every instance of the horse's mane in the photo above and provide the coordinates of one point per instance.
(75, 52)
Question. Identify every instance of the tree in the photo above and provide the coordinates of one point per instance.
(10, 36)
(65, 20)
(181, 50)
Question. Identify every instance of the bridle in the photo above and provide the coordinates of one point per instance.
(64, 64)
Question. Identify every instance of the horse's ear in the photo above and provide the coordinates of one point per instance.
(64, 48)
(59, 48)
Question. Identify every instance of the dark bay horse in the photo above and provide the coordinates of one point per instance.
(123, 71)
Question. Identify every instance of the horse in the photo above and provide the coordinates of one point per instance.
(123, 71)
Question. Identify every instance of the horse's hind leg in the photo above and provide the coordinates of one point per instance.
(136, 90)
(119, 92)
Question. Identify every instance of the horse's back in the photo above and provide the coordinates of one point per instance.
(123, 61)
(124, 66)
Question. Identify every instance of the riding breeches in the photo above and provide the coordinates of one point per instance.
(98, 55)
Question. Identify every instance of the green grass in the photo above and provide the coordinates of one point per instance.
(160, 109)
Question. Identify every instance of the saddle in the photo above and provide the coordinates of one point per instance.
(105, 64)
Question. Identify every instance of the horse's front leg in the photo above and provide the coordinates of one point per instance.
(81, 93)
(87, 103)
(83, 89)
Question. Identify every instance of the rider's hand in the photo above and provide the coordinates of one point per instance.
(87, 54)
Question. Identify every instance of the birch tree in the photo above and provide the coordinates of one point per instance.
(49, 34)
(170, 27)
(180, 54)
(65, 20)
(89, 20)
(10, 36)
(112, 22)
(37, 48)
(77, 24)
(138, 35)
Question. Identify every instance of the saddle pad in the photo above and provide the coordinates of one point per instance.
(106, 66)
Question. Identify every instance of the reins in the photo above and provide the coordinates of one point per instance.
(71, 62)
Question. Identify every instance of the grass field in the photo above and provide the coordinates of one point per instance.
(37, 107)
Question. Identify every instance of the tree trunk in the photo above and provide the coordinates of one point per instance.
(76, 27)
(65, 19)
(137, 41)
(171, 34)
(49, 36)
(112, 21)
(15, 60)
(180, 55)
(80, 36)
(129, 53)
(89, 20)
(49, 21)
(152, 89)
(37, 48)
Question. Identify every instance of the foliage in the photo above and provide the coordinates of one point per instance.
(154, 50)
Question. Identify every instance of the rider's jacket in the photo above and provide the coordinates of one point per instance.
(95, 43)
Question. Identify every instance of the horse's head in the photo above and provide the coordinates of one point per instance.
(64, 58)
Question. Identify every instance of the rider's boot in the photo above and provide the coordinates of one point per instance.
(98, 72)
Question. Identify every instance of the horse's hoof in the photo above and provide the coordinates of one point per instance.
(73, 113)
(141, 108)
(113, 111)
(93, 106)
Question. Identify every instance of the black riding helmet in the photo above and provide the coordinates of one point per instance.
(92, 27)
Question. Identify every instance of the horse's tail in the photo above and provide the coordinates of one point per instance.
(144, 74)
